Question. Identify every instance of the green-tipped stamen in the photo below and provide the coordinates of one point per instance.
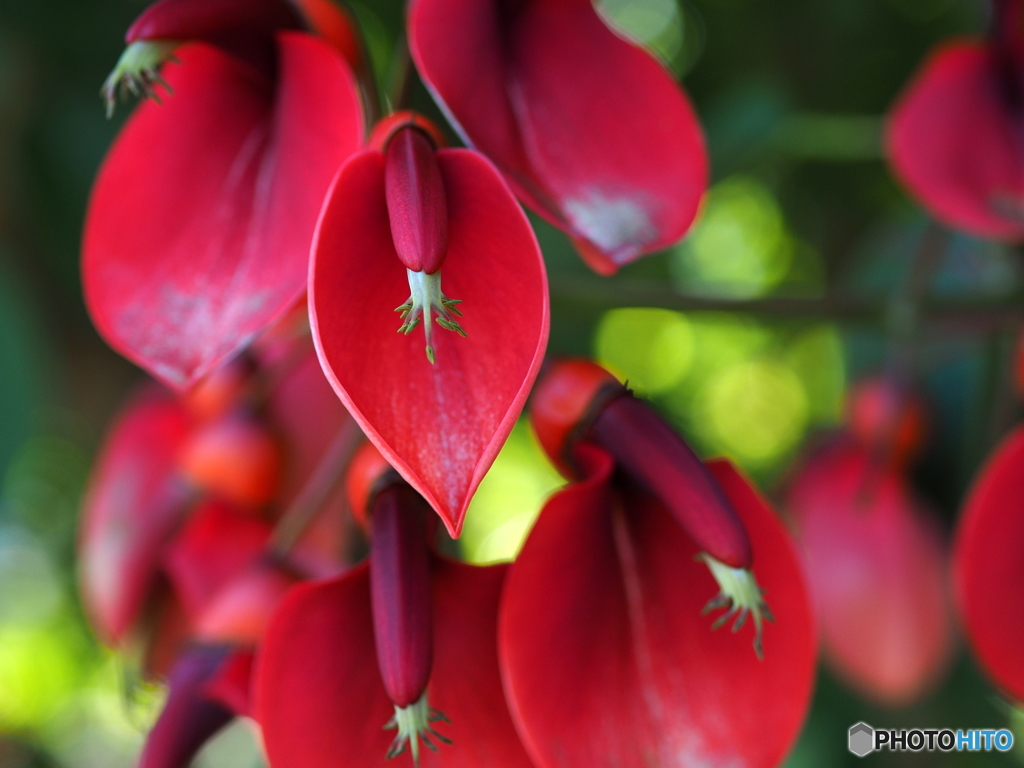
(414, 724)
(741, 595)
(425, 300)
(137, 72)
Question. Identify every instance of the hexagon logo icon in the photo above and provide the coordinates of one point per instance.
(861, 739)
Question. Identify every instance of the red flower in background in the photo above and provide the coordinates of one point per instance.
(606, 656)
(989, 566)
(430, 624)
(199, 226)
(180, 550)
(875, 555)
(590, 131)
(401, 218)
(955, 136)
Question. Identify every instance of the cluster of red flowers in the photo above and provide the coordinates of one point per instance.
(244, 185)
(242, 538)
(955, 140)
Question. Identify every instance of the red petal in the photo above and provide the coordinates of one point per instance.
(319, 696)
(219, 188)
(989, 569)
(231, 685)
(188, 718)
(239, 612)
(439, 425)
(953, 142)
(591, 131)
(216, 546)
(607, 659)
(131, 507)
(878, 570)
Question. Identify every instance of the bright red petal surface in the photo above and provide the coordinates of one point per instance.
(989, 566)
(591, 131)
(199, 227)
(954, 143)
(132, 506)
(606, 657)
(439, 425)
(877, 567)
(319, 696)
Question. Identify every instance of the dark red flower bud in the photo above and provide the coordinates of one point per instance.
(651, 452)
(188, 718)
(577, 400)
(400, 592)
(417, 206)
(210, 19)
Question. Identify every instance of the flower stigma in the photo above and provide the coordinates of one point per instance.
(741, 595)
(414, 723)
(426, 298)
(137, 72)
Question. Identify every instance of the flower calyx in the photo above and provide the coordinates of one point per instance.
(741, 596)
(137, 72)
(414, 724)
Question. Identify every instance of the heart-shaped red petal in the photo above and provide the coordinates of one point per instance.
(440, 425)
(589, 129)
(607, 658)
(198, 231)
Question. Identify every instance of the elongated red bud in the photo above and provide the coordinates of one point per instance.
(652, 453)
(400, 593)
(189, 718)
(417, 206)
(209, 19)
(578, 400)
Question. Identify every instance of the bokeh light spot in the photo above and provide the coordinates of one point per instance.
(509, 499)
(740, 247)
(755, 411)
(652, 349)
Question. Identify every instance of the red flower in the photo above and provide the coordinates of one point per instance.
(606, 657)
(955, 135)
(429, 622)
(437, 234)
(198, 231)
(589, 129)
(159, 460)
(988, 570)
(877, 566)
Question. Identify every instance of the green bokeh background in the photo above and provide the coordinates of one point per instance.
(792, 94)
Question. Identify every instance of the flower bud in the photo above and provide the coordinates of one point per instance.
(235, 459)
(400, 593)
(417, 206)
(188, 718)
(578, 400)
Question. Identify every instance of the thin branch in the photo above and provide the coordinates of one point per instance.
(319, 488)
